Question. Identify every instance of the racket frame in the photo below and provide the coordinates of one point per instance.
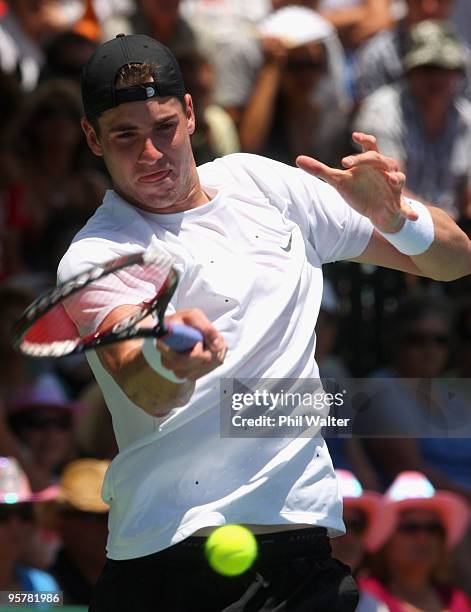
(123, 330)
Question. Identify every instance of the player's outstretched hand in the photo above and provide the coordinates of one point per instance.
(371, 183)
(202, 358)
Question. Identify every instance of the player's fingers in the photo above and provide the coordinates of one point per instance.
(180, 359)
(396, 179)
(373, 159)
(196, 318)
(367, 141)
(317, 168)
(191, 364)
(407, 211)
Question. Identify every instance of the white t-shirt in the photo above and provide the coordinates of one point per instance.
(251, 260)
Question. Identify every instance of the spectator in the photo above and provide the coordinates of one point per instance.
(347, 453)
(161, 19)
(297, 105)
(356, 20)
(48, 141)
(462, 19)
(16, 371)
(410, 415)
(17, 505)
(66, 54)
(417, 529)
(22, 28)
(360, 512)
(94, 19)
(227, 35)
(379, 61)
(423, 122)
(42, 418)
(80, 517)
(215, 134)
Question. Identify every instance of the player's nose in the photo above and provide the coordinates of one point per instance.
(150, 152)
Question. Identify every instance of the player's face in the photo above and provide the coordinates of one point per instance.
(147, 150)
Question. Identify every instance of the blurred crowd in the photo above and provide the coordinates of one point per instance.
(275, 78)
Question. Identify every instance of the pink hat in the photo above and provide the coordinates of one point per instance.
(413, 491)
(45, 392)
(14, 485)
(354, 496)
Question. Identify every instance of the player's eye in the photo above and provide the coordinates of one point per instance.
(125, 135)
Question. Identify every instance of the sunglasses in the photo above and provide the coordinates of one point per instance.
(432, 528)
(42, 423)
(356, 526)
(417, 339)
(23, 511)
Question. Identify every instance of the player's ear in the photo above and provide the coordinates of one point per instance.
(190, 114)
(91, 136)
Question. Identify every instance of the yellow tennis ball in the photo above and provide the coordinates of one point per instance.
(231, 550)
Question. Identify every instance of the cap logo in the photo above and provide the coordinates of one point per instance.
(150, 92)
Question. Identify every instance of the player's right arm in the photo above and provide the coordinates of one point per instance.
(152, 392)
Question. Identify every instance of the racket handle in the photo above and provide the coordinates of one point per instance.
(181, 337)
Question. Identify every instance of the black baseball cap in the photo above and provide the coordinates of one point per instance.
(99, 73)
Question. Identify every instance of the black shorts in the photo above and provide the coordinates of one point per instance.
(294, 572)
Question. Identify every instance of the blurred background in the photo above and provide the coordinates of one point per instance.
(275, 78)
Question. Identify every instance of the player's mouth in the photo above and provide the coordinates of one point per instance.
(154, 177)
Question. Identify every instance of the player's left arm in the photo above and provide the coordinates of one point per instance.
(447, 258)
(372, 184)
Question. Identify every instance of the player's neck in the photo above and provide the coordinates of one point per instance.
(194, 197)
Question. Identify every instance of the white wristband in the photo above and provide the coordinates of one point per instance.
(414, 237)
(154, 360)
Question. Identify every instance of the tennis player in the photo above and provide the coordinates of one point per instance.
(249, 236)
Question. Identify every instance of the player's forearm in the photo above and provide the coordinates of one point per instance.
(449, 256)
(142, 385)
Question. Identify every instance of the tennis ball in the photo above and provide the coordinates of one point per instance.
(231, 550)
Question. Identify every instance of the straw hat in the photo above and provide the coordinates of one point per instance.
(413, 491)
(81, 483)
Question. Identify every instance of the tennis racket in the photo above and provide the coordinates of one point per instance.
(53, 325)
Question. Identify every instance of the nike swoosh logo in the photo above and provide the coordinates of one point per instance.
(288, 246)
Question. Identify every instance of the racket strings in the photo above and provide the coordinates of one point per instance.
(75, 319)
